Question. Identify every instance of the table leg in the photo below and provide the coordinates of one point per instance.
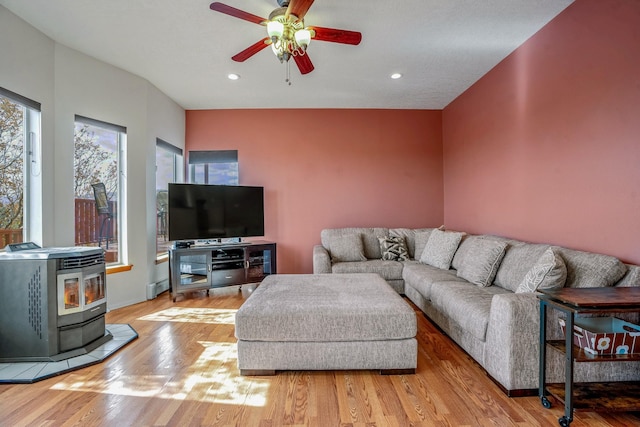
(568, 384)
(542, 377)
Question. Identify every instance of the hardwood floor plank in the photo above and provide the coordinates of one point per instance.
(326, 408)
(182, 371)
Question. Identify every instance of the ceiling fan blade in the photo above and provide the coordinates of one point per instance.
(236, 13)
(251, 50)
(298, 8)
(304, 63)
(336, 36)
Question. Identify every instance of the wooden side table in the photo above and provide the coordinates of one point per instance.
(577, 302)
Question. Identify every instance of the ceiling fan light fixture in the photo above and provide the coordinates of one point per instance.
(288, 35)
(276, 51)
(303, 38)
(233, 76)
(396, 76)
(275, 29)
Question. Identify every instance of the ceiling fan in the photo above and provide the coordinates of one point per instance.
(287, 35)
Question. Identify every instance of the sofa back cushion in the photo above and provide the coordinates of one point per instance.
(481, 260)
(369, 238)
(631, 277)
(463, 249)
(590, 270)
(409, 235)
(516, 263)
(421, 239)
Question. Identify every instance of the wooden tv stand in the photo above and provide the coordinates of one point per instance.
(202, 267)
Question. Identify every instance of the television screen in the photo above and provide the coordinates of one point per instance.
(201, 212)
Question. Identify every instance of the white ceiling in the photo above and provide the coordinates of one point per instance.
(183, 48)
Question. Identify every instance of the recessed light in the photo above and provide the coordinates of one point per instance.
(396, 76)
(233, 76)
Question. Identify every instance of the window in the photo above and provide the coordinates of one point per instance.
(99, 165)
(169, 168)
(20, 186)
(213, 167)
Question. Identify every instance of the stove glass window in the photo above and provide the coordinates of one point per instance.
(93, 288)
(71, 293)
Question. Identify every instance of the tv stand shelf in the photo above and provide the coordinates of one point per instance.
(202, 267)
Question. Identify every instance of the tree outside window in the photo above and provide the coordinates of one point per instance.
(11, 171)
(98, 159)
(20, 183)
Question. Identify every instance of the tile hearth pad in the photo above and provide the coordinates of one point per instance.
(30, 372)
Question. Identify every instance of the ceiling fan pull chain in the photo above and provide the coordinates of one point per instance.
(288, 79)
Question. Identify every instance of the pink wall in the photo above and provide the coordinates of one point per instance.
(330, 168)
(546, 146)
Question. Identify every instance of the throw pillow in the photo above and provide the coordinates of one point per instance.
(440, 248)
(393, 248)
(347, 248)
(550, 272)
(482, 260)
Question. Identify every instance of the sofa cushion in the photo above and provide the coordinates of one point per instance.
(421, 276)
(550, 272)
(590, 270)
(369, 238)
(421, 238)
(440, 248)
(516, 263)
(409, 235)
(345, 248)
(388, 270)
(461, 253)
(465, 304)
(482, 260)
(393, 248)
(631, 277)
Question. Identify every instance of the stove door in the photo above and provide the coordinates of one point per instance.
(81, 289)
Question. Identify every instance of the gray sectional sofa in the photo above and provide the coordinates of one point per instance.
(481, 291)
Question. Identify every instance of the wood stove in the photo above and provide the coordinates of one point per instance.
(52, 303)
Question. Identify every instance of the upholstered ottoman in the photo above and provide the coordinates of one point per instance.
(325, 322)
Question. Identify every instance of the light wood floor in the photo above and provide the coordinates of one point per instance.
(182, 372)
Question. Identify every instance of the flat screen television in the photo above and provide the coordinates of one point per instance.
(206, 212)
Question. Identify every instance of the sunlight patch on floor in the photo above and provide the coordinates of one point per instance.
(212, 378)
(126, 385)
(193, 315)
